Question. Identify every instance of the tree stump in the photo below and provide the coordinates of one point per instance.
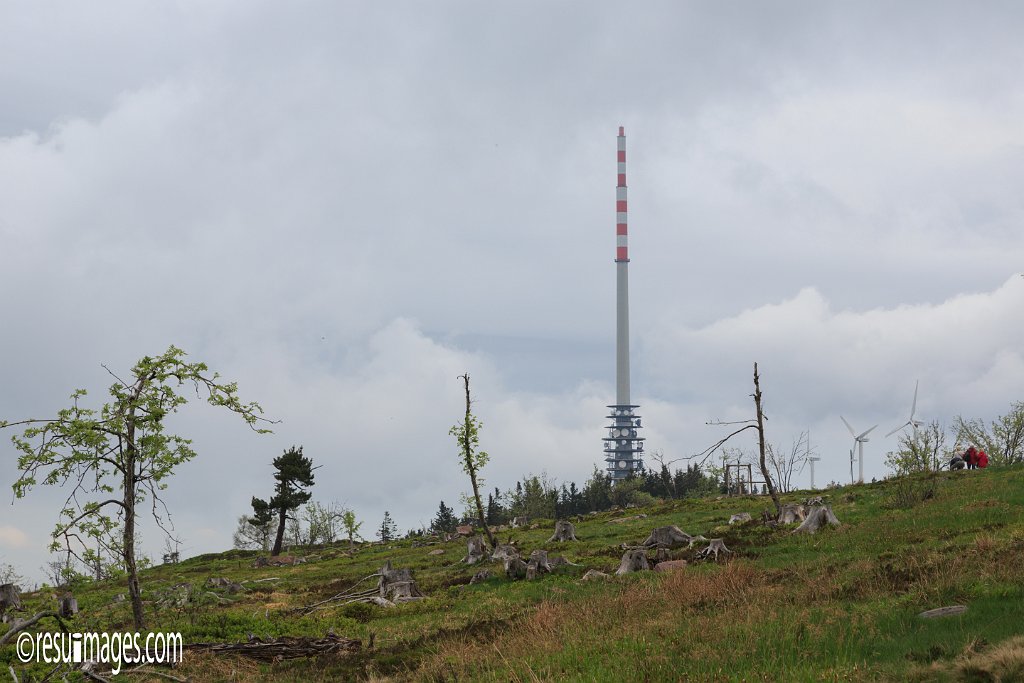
(715, 546)
(559, 561)
(540, 557)
(792, 512)
(10, 598)
(564, 531)
(668, 537)
(515, 568)
(519, 522)
(818, 518)
(397, 585)
(739, 518)
(504, 552)
(633, 561)
(661, 555)
(477, 551)
(68, 607)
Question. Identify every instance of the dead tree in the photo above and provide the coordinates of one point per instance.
(564, 531)
(817, 518)
(758, 424)
(791, 513)
(668, 537)
(634, 560)
(715, 546)
(476, 551)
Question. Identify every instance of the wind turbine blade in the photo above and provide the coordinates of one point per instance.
(861, 437)
(897, 429)
(913, 407)
(852, 433)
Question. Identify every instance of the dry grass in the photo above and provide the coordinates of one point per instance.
(203, 666)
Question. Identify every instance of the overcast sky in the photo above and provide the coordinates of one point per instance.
(344, 206)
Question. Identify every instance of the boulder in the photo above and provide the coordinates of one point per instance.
(670, 566)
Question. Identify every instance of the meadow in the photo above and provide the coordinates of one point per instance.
(842, 604)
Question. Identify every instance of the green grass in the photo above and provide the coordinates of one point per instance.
(839, 605)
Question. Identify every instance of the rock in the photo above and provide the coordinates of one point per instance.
(519, 522)
(670, 566)
(383, 602)
(594, 575)
(437, 551)
(466, 530)
(740, 518)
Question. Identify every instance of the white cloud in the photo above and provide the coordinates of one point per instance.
(13, 537)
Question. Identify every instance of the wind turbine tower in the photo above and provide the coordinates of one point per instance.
(623, 449)
(812, 459)
(858, 442)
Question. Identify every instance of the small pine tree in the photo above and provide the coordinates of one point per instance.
(388, 529)
(445, 521)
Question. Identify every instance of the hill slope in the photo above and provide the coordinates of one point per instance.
(839, 605)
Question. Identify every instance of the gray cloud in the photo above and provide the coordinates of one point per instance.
(344, 206)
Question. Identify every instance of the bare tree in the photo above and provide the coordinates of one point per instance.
(785, 463)
(60, 570)
(8, 574)
(249, 536)
(758, 424)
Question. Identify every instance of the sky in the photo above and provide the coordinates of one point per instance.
(345, 206)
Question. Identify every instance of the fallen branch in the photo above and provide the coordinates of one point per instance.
(285, 647)
(18, 626)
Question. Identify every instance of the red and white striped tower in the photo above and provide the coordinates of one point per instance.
(623, 448)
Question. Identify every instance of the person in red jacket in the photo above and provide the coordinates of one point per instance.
(982, 459)
(971, 458)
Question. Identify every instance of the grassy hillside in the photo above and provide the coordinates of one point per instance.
(839, 605)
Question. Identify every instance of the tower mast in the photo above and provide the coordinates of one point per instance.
(623, 448)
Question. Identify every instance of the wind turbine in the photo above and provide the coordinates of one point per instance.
(813, 459)
(912, 423)
(858, 442)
